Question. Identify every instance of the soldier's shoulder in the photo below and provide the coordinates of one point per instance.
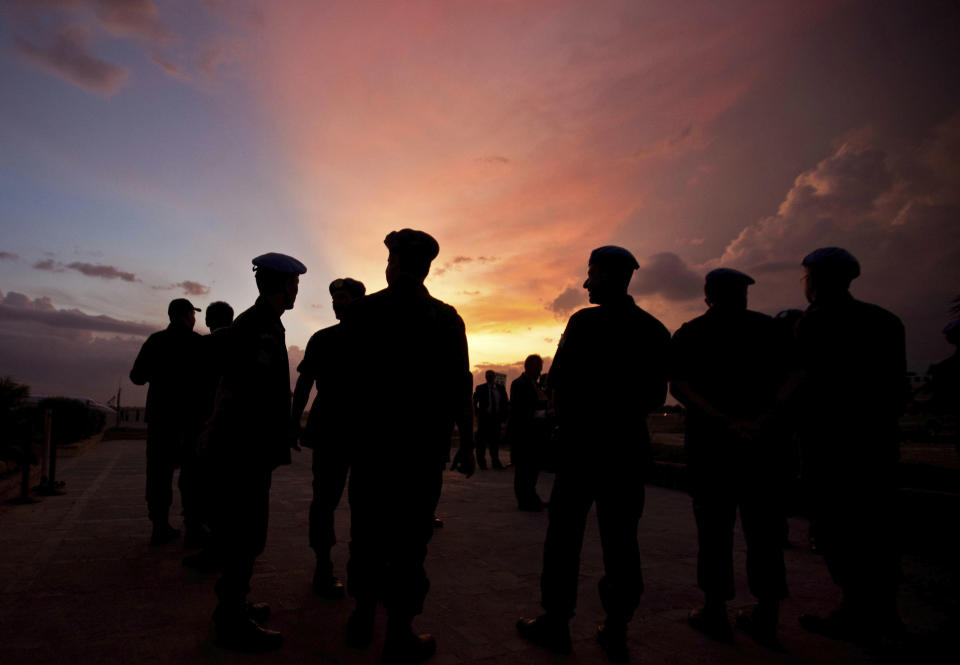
(877, 314)
(648, 321)
(325, 335)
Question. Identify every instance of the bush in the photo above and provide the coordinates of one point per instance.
(72, 420)
(14, 422)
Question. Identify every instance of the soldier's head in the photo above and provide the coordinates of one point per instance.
(490, 376)
(827, 273)
(278, 278)
(344, 291)
(532, 366)
(219, 315)
(182, 313)
(726, 288)
(608, 273)
(411, 253)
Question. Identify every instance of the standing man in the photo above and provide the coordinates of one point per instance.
(852, 392)
(194, 481)
(247, 437)
(608, 373)
(527, 432)
(490, 403)
(726, 368)
(167, 362)
(401, 333)
(328, 431)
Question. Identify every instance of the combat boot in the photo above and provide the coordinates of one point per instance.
(612, 638)
(402, 646)
(547, 632)
(236, 630)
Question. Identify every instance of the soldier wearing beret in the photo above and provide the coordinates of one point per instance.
(246, 438)
(327, 433)
(726, 368)
(168, 362)
(608, 373)
(409, 351)
(852, 392)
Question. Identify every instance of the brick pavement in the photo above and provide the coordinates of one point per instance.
(79, 584)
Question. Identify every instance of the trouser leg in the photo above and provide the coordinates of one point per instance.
(367, 563)
(494, 444)
(619, 507)
(329, 478)
(161, 462)
(406, 582)
(190, 484)
(240, 531)
(481, 442)
(525, 472)
(763, 519)
(569, 504)
(715, 513)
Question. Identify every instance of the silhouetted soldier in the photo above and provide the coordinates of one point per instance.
(410, 355)
(194, 480)
(945, 384)
(852, 391)
(167, 362)
(328, 430)
(527, 433)
(726, 368)
(247, 437)
(196, 476)
(490, 402)
(608, 373)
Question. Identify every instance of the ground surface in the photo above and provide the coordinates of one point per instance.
(79, 584)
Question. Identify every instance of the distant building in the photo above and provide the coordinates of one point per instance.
(133, 416)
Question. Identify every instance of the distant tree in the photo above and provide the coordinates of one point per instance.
(14, 425)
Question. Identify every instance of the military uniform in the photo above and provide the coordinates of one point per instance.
(608, 373)
(410, 384)
(527, 434)
(167, 361)
(246, 440)
(328, 434)
(736, 360)
(854, 390)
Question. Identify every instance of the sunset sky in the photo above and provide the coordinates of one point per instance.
(150, 148)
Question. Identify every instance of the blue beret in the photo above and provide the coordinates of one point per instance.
(413, 244)
(279, 263)
(833, 259)
(728, 275)
(612, 254)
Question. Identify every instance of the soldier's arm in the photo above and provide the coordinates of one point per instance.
(143, 366)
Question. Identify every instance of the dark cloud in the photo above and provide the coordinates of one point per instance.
(49, 265)
(101, 271)
(18, 307)
(8, 256)
(133, 18)
(895, 206)
(193, 288)
(667, 275)
(458, 261)
(569, 300)
(494, 159)
(69, 58)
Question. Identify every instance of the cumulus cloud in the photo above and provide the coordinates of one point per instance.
(894, 206)
(459, 261)
(667, 275)
(101, 271)
(69, 57)
(18, 307)
(193, 288)
(130, 18)
(8, 256)
(49, 265)
(569, 300)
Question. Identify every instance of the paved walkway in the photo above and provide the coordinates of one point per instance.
(79, 584)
